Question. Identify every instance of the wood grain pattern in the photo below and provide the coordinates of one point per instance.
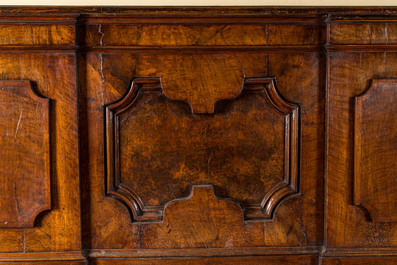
(348, 226)
(174, 35)
(25, 155)
(300, 260)
(43, 257)
(297, 220)
(268, 177)
(361, 260)
(27, 53)
(203, 252)
(365, 33)
(207, 123)
(302, 70)
(225, 229)
(108, 79)
(37, 35)
(57, 230)
(360, 252)
(201, 35)
(279, 34)
(375, 150)
(11, 240)
(202, 80)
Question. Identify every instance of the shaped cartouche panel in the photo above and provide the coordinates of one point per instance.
(177, 230)
(24, 154)
(157, 148)
(375, 150)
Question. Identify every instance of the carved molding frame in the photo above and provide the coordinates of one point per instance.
(27, 212)
(362, 198)
(261, 211)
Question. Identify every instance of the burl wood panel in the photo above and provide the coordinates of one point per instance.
(158, 35)
(349, 225)
(156, 148)
(204, 58)
(297, 221)
(199, 69)
(226, 228)
(25, 154)
(98, 32)
(107, 78)
(306, 71)
(375, 150)
(170, 35)
(11, 240)
(363, 33)
(202, 80)
(53, 76)
(37, 34)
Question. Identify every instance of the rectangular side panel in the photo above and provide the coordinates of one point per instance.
(298, 221)
(25, 151)
(170, 35)
(363, 33)
(101, 229)
(53, 76)
(349, 225)
(211, 34)
(173, 35)
(35, 34)
(375, 150)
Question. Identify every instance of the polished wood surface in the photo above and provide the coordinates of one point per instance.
(25, 163)
(375, 150)
(198, 135)
(225, 149)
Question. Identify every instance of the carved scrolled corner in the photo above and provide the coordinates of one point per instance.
(25, 151)
(375, 134)
(259, 87)
(113, 186)
(290, 185)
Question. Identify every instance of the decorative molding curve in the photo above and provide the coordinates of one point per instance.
(262, 210)
(219, 220)
(113, 185)
(375, 134)
(25, 151)
(201, 80)
(290, 184)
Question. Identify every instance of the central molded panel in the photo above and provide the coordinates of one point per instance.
(164, 148)
(158, 147)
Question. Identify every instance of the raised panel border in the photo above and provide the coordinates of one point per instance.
(358, 174)
(262, 211)
(26, 88)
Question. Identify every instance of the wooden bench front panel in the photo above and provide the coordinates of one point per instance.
(247, 124)
(198, 136)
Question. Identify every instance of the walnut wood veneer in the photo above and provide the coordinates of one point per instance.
(134, 136)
